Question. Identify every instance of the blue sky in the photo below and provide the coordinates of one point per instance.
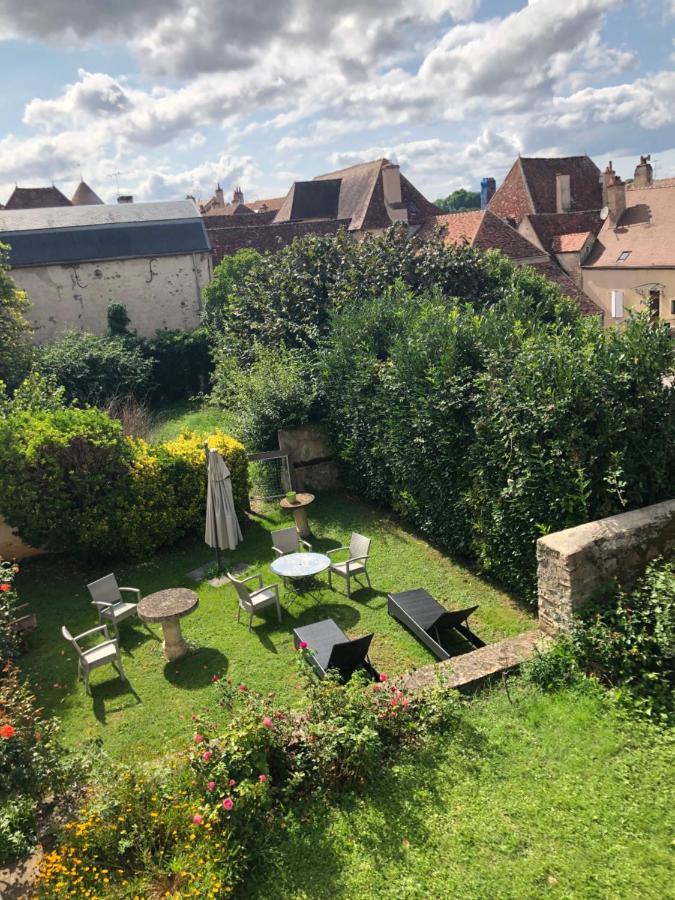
(167, 97)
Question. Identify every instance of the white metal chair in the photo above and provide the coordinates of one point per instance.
(253, 601)
(106, 596)
(103, 654)
(357, 564)
(287, 540)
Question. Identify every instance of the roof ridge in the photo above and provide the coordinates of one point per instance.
(371, 162)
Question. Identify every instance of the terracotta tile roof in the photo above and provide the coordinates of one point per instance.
(530, 186)
(268, 204)
(656, 183)
(570, 243)
(37, 198)
(646, 231)
(554, 273)
(229, 209)
(484, 230)
(549, 226)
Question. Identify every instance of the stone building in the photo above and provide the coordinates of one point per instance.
(74, 260)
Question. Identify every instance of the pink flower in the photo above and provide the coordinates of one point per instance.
(377, 688)
(242, 688)
(211, 786)
(228, 803)
(4, 587)
(384, 677)
(262, 779)
(215, 678)
(197, 819)
(232, 782)
(206, 756)
(267, 722)
(198, 738)
(303, 645)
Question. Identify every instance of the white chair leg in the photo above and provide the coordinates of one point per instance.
(368, 578)
(86, 681)
(278, 610)
(330, 579)
(250, 622)
(239, 614)
(349, 590)
(118, 666)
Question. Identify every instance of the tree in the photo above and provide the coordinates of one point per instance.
(227, 276)
(460, 200)
(15, 330)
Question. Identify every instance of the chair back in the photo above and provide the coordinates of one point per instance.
(68, 636)
(359, 546)
(286, 540)
(105, 590)
(242, 592)
(348, 656)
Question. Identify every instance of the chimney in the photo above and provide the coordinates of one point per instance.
(643, 173)
(391, 186)
(219, 197)
(487, 188)
(125, 198)
(613, 194)
(238, 196)
(563, 199)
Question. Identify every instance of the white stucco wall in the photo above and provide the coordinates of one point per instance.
(164, 292)
(599, 284)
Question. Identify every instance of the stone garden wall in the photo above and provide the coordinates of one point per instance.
(575, 564)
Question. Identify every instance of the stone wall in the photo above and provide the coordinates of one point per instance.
(163, 292)
(575, 564)
(310, 458)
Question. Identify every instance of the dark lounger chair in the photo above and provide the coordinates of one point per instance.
(334, 650)
(426, 618)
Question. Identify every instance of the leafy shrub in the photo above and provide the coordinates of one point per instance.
(118, 319)
(627, 640)
(71, 481)
(181, 363)
(93, 368)
(17, 828)
(218, 295)
(16, 349)
(554, 669)
(275, 392)
(9, 600)
(193, 829)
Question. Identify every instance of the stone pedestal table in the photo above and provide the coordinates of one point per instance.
(167, 608)
(302, 501)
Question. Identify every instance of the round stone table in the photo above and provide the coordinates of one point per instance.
(299, 508)
(168, 608)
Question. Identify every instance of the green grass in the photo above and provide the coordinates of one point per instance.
(549, 796)
(152, 712)
(188, 416)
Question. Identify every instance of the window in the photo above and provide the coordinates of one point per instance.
(623, 256)
(672, 307)
(655, 303)
(617, 304)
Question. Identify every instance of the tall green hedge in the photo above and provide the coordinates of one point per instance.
(491, 427)
(70, 481)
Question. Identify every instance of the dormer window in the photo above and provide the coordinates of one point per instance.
(623, 256)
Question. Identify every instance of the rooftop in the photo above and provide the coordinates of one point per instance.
(484, 230)
(35, 198)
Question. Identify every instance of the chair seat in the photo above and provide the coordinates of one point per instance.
(354, 568)
(266, 596)
(120, 610)
(103, 653)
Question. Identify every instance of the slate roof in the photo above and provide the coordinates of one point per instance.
(554, 273)
(646, 230)
(483, 230)
(311, 200)
(86, 233)
(549, 226)
(36, 198)
(530, 186)
(84, 196)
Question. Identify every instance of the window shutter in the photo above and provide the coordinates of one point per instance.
(617, 304)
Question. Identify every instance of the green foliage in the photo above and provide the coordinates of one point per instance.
(17, 828)
(219, 294)
(460, 200)
(70, 481)
(627, 640)
(275, 392)
(489, 430)
(9, 639)
(181, 363)
(555, 669)
(118, 319)
(95, 368)
(15, 330)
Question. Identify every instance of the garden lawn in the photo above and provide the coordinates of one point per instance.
(151, 713)
(185, 415)
(548, 796)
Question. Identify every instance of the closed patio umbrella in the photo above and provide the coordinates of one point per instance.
(222, 527)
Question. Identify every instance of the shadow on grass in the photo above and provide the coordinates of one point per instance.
(196, 669)
(112, 696)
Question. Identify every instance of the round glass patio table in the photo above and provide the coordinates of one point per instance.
(300, 565)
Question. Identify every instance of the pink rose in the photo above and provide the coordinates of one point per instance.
(232, 782)
(198, 738)
(206, 756)
(384, 677)
(262, 779)
(242, 688)
(211, 786)
(228, 803)
(197, 819)
(215, 678)
(377, 688)
(303, 645)
(267, 722)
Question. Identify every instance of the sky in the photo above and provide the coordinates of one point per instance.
(163, 98)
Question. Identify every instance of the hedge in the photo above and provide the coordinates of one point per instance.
(71, 481)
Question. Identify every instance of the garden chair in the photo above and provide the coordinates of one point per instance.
(426, 618)
(106, 596)
(253, 601)
(287, 540)
(332, 649)
(359, 550)
(106, 653)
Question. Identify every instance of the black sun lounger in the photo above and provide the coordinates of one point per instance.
(426, 618)
(334, 650)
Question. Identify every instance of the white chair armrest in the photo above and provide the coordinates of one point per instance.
(102, 605)
(353, 559)
(103, 628)
(336, 550)
(277, 551)
(251, 578)
(133, 591)
(112, 641)
(305, 544)
(269, 587)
